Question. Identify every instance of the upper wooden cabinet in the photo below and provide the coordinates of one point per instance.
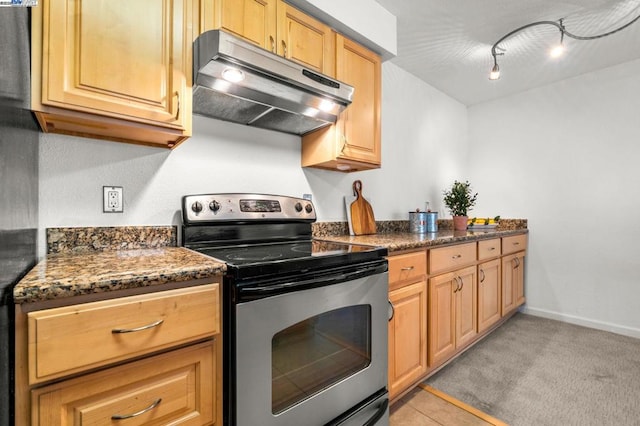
(107, 71)
(275, 26)
(353, 143)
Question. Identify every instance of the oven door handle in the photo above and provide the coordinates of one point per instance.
(378, 415)
(255, 292)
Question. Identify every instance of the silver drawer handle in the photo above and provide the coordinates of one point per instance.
(457, 256)
(491, 248)
(408, 268)
(153, 405)
(133, 330)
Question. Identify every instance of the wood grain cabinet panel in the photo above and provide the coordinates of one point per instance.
(451, 257)
(512, 282)
(452, 313)
(489, 294)
(66, 340)
(353, 143)
(407, 267)
(514, 243)
(129, 65)
(253, 20)
(274, 26)
(488, 249)
(407, 337)
(176, 388)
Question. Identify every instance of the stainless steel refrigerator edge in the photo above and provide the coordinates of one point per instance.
(18, 185)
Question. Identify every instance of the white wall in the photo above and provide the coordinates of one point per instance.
(566, 156)
(423, 140)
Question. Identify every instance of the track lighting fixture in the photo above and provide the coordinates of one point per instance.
(555, 51)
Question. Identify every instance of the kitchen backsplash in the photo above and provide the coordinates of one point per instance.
(94, 239)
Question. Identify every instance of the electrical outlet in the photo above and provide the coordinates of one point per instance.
(112, 199)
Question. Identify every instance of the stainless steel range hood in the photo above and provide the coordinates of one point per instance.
(272, 92)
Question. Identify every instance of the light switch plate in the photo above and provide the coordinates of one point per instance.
(112, 199)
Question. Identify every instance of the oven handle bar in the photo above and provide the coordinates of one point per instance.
(255, 292)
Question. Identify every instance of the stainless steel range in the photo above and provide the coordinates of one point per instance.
(305, 321)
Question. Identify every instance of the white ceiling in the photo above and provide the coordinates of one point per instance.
(447, 43)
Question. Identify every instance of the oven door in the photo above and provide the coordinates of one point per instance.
(306, 357)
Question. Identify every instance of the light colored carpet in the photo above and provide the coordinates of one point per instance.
(535, 371)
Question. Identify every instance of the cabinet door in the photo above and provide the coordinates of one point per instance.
(407, 337)
(512, 282)
(442, 338)
(360, 122)
(126, 62)
(489, 294)
(253, 20)
(305, 40)
(174, 388)
(466, 304)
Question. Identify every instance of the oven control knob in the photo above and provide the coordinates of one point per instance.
(308, 208)
(298, 207)
(196, 207)
(214, 206)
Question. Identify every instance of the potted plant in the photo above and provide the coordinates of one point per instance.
(459, 199)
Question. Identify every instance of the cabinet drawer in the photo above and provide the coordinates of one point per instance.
(75, 338)
(174, 388)
(404, 267)
(514, 243)
(445, 258)
(488, 249)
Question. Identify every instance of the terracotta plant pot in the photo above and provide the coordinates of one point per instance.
(460, 223)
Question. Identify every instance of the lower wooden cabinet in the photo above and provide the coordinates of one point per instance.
(174, 388)
(452, 313)
(407, 336)
(445, 299)
(152, 359)
(512, 282)
(489, 294)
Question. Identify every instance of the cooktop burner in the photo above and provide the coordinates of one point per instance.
(264, 253)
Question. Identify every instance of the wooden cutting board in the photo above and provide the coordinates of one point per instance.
(362, 220)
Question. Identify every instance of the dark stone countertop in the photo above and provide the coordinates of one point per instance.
(399, 241)
(71, 274)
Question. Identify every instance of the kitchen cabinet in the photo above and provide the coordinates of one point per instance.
(514, 249)
(275, 26)
(160, 358)
(408, 326)
(489, 283)
(353, 142)
(452, 313)
(104, 70)
(512, 282)
(489, 294)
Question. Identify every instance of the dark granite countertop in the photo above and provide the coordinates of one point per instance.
(71, 274)
(398, 241)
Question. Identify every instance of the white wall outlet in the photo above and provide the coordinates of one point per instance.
(112, 199)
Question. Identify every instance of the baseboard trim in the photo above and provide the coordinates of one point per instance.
(466, 407)
(585, 322)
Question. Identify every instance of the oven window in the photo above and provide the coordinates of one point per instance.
(316, 353)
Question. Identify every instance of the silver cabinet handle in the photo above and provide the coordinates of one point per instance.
(517, 262)
(284, 48)
(153, 405)
(457, 256)
(458, 284)
(392, 311)
(492, 248)
(133, 330)
(273, 44)
(178, 111)
(482, 273)
(408, 268)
